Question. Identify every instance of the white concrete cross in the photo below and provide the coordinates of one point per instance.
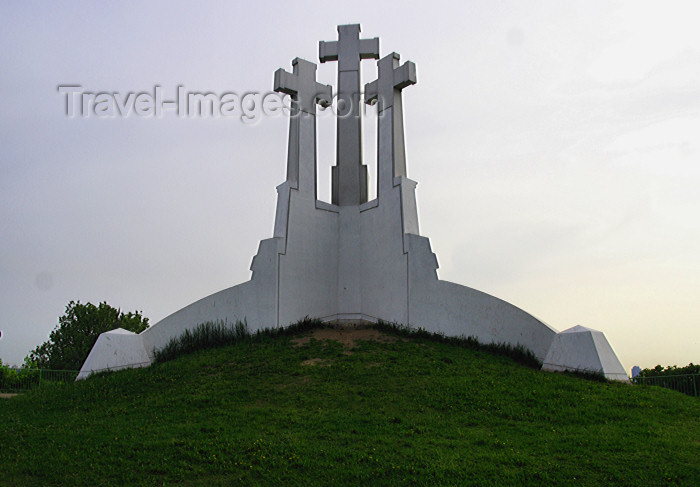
(386, 92)
(301, 84)
(349, 174)
(301, 154)
(349, 49)
(391, 79)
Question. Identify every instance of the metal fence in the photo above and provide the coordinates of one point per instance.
(687, 383)
(20, 380)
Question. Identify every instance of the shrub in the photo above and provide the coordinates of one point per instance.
(71, 341)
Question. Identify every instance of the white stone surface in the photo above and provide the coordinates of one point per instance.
(582, 349)
(114, 350)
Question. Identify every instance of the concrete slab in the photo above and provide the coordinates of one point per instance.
(115, 350)
(586, 350)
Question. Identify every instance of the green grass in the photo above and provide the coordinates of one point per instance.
(413, 411)
(519, 353)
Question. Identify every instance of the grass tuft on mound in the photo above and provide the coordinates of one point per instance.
(215, 334)
(211, 334)
(518, 353)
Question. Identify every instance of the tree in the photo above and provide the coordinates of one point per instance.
(71, 341)
(660, 371)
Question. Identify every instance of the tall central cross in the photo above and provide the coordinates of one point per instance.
(349, 174)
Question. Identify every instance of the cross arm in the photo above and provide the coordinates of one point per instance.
(405, 75)
(328, 51)
(369, 48)
(372, 92)
(285, 82)
(324, 95)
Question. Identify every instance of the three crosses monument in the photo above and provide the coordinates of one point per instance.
(354, 260)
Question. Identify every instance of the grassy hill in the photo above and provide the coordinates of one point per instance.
(348, 408)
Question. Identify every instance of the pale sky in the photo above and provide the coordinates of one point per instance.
(556, 146)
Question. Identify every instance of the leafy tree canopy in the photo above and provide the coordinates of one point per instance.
(659, 371)
(71, 341)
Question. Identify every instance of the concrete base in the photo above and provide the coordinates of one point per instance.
(582, 349)
(115, 350)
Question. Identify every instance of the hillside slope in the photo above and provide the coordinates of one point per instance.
(336, 408)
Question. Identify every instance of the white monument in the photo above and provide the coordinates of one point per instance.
(352, 260)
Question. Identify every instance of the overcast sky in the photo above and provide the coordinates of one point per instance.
(556, 146)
